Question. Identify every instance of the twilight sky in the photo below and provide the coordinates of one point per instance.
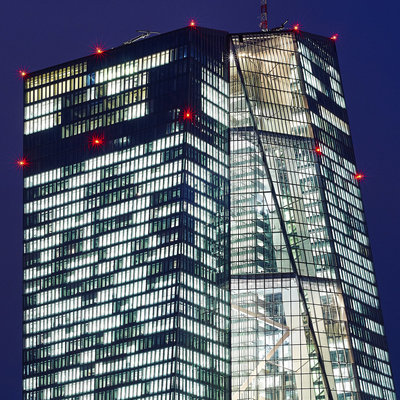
(38, 34)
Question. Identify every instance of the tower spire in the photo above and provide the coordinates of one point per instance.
(263, 23)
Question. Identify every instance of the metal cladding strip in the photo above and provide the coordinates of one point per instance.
(282, 225)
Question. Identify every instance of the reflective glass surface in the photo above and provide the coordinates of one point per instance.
(306, 322)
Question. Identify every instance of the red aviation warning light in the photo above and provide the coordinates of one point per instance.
(97, 141)
(334, 36)
(188, 114)
(22, 73)
(22, 162)
(98, 50)
(318, 150)
(192, 24)
(296, 27)
(359, 176)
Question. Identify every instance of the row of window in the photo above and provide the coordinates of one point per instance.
(146, 181)
(51, 76)
(55, 89)
(114, 117)
(147, 153)
(317, 84)
(318, 60)
(138, 65)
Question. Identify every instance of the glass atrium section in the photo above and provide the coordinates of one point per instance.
(126, 254)
(305, 314)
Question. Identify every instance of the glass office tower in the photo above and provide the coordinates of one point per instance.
(126, 223)
(306, 320)
(193, 226)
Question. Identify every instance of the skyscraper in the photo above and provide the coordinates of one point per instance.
(194, 227)
(306, 321)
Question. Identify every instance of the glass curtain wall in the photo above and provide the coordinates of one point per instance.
(291, 337)
(126, 224)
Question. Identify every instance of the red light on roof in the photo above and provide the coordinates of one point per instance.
(359, 176)
(296, 27)
(98, 50)
(188, 114)
(334, 36)
(22, 73)
(97, 141)
(22, 162)
(192, 23)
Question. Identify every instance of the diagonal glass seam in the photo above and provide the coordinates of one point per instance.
(282, 225)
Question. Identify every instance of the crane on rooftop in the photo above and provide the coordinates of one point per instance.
(143, 34)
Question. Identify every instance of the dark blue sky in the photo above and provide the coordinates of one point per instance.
(37, 34)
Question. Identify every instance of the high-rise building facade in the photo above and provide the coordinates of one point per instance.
(306, 320)
(193, 226)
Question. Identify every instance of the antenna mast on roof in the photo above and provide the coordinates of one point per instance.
(263, 23)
